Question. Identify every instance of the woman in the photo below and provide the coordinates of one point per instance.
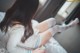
(24, 37)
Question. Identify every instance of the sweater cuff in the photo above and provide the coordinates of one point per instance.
(30, 51)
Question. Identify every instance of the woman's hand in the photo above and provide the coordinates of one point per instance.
(38, 50)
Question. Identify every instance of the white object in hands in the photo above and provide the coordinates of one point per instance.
(42, 48)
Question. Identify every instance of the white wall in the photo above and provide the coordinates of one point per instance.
(67, 8)
(42, 2)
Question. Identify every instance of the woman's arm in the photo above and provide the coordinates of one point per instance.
(16, 32)
(45, 36)
(22, 45)
(31, 50)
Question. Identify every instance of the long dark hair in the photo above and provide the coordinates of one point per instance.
(23, 12)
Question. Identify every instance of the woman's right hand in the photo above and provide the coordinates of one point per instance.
(38, 50)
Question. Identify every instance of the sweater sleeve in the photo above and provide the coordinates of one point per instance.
(16, 34)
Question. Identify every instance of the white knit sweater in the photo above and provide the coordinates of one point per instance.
(14, 44)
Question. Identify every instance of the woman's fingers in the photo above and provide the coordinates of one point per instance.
(41, 50)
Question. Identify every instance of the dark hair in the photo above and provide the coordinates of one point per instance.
(23, 12)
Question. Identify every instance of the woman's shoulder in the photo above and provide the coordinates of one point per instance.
(16, 27)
